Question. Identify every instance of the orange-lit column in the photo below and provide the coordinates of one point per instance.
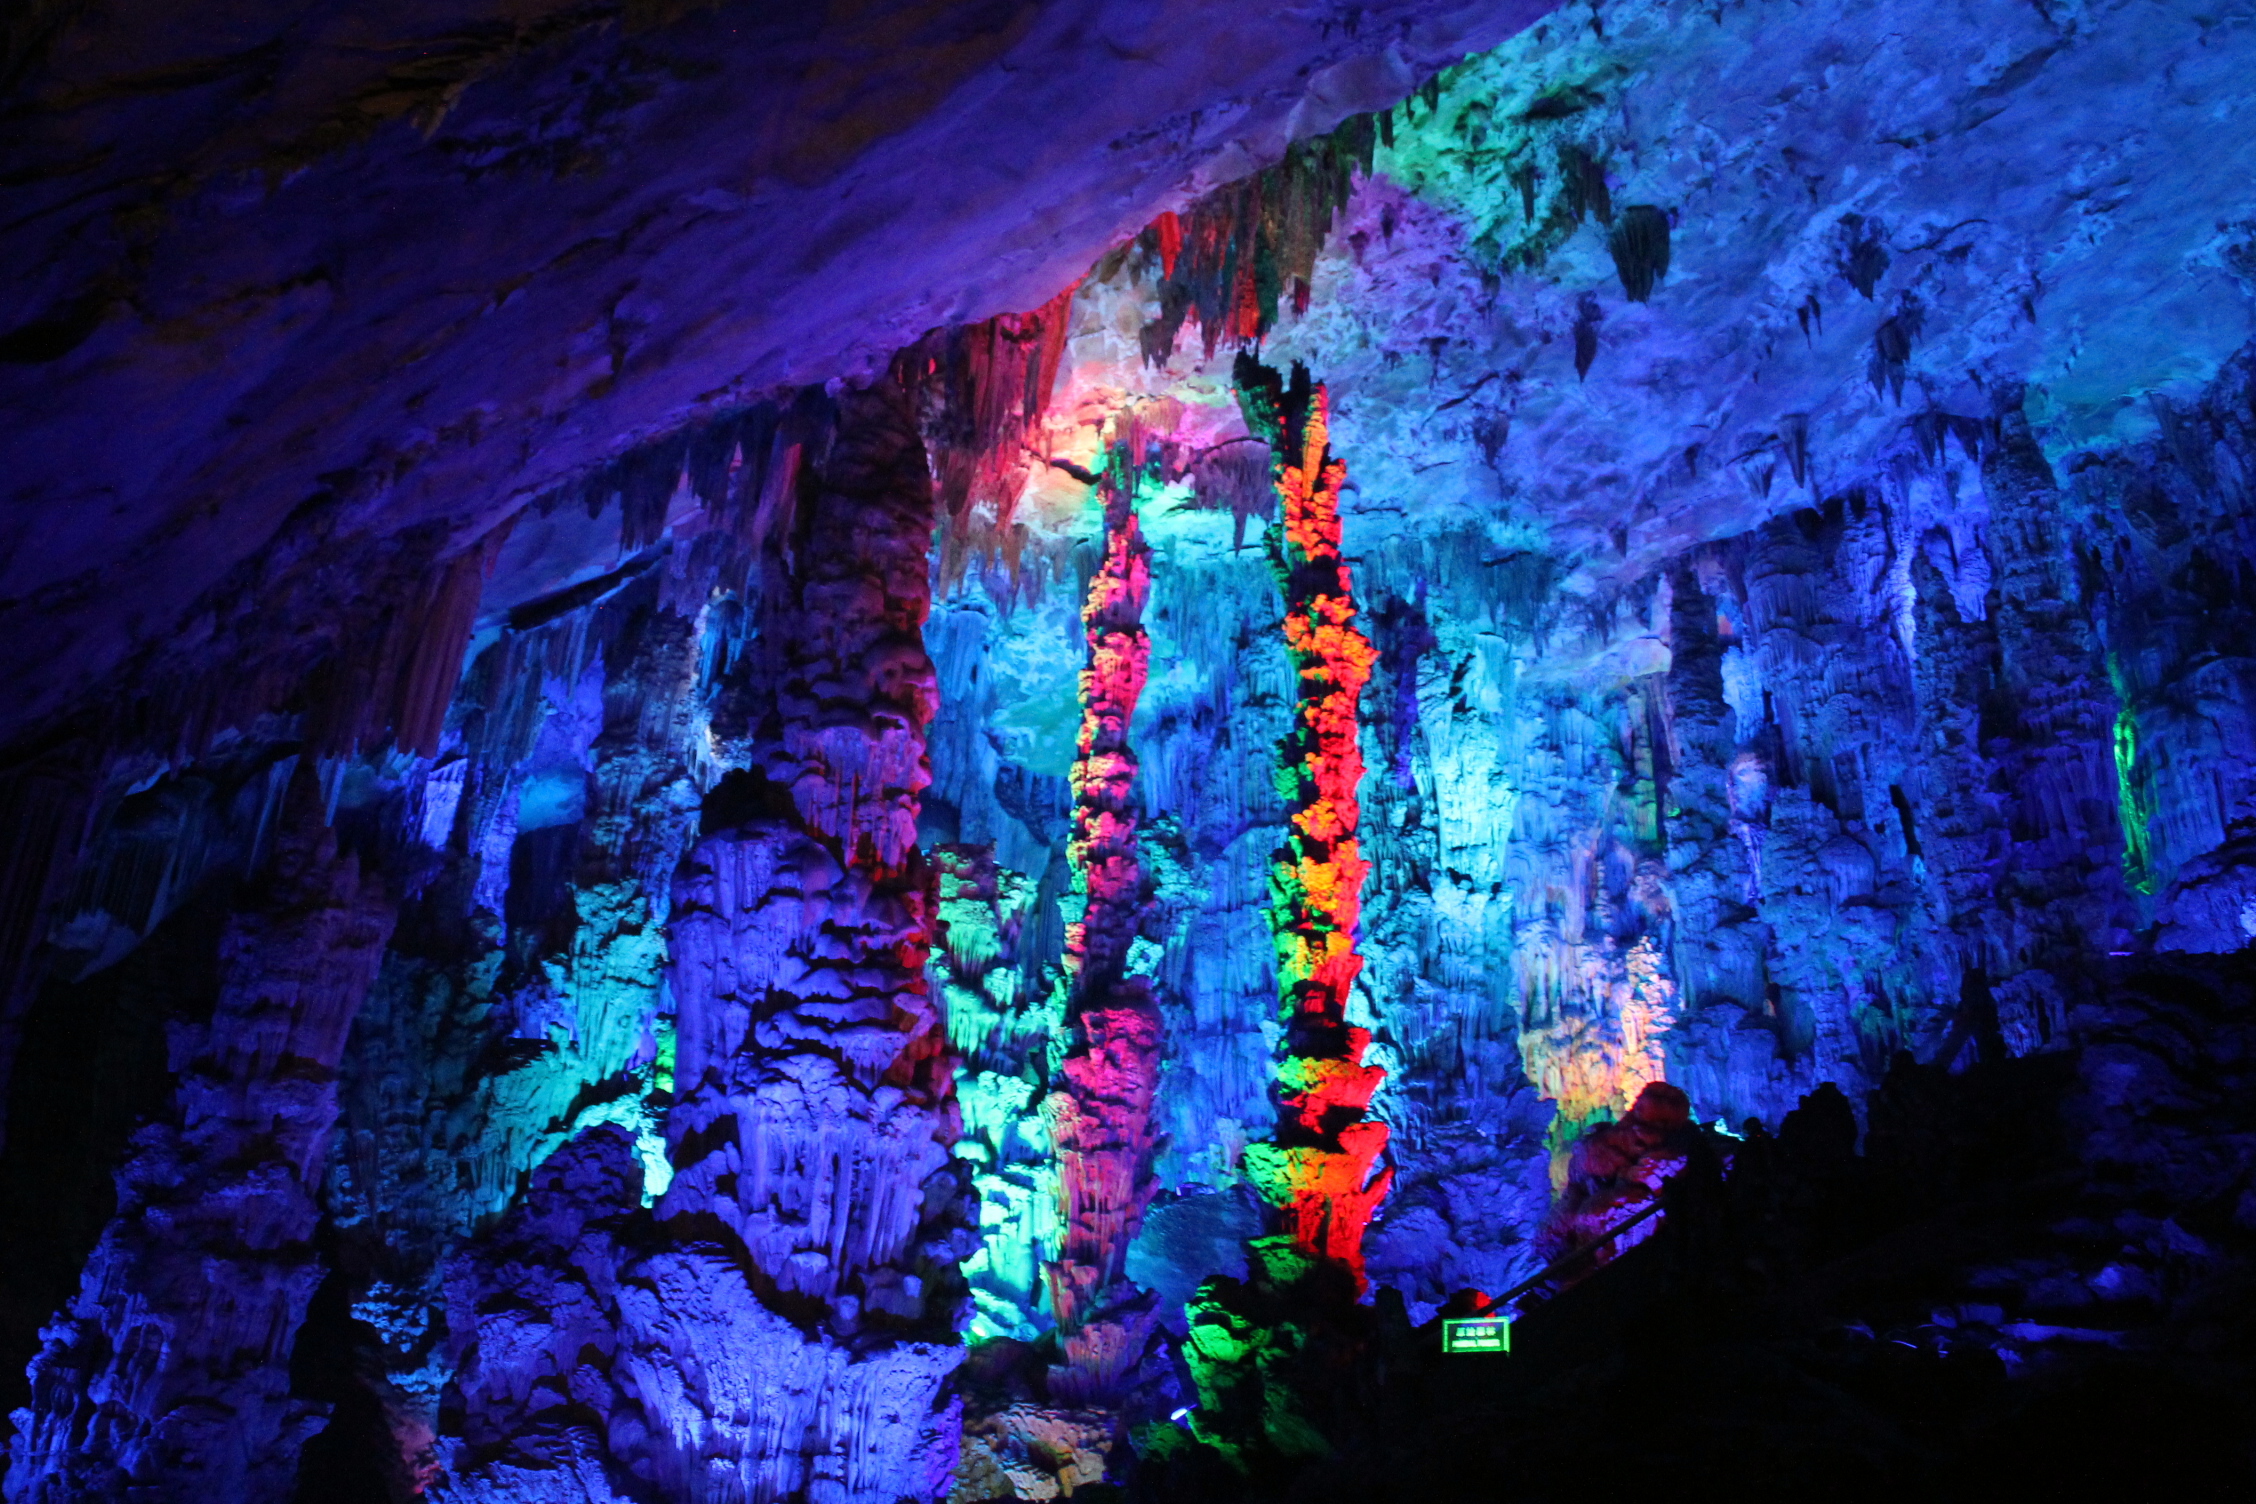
(1322, 1173)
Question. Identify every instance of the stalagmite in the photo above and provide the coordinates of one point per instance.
(794, 1340)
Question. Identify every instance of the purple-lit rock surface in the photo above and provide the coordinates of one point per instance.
(168, 1377)
(372, 276)
(558, 796)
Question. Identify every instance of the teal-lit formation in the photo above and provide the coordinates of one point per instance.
(1004, 1031)
(1160, 913)
(2134, 805)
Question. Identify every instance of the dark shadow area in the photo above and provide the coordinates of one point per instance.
(2032, 1280)
(93, 1068)
(352, 1459)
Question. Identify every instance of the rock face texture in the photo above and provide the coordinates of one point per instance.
(320, 242)
(534, 1333)
(169, 1376)
(672, 740)
(813, 1107)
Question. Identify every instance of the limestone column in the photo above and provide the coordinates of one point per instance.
(793, 1340)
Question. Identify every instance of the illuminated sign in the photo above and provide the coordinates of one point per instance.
(1477, 1334)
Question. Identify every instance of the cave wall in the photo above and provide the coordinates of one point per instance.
(721, 946)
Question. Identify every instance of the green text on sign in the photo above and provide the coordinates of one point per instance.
(1476, 1334)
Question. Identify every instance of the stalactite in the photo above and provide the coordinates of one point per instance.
(1232, 257)
(392, 686)
(742, 465)
(1864, 253)
(981, 390)
(1588, 317)
(1322, 1172)
(1103, 1108)
(1751, 813)
(1640, 248)
(169, 1377)
(1585, 188)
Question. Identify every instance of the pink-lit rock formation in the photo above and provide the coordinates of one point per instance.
(1103, 1107)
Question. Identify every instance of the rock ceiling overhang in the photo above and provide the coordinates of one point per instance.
(300, 283)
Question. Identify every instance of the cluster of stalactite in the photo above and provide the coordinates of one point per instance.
(528, 818)
(369, 664)
(1102, 1111)
(980, 391)
(1236, 256)
(372, 662)
(1322, 1174)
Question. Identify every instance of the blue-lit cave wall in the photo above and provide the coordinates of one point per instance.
(1437, 796)
(1801, 494)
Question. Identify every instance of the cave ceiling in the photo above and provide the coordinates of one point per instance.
(1872, 226)
(732, 733)
(290, 282)
(298, 285)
